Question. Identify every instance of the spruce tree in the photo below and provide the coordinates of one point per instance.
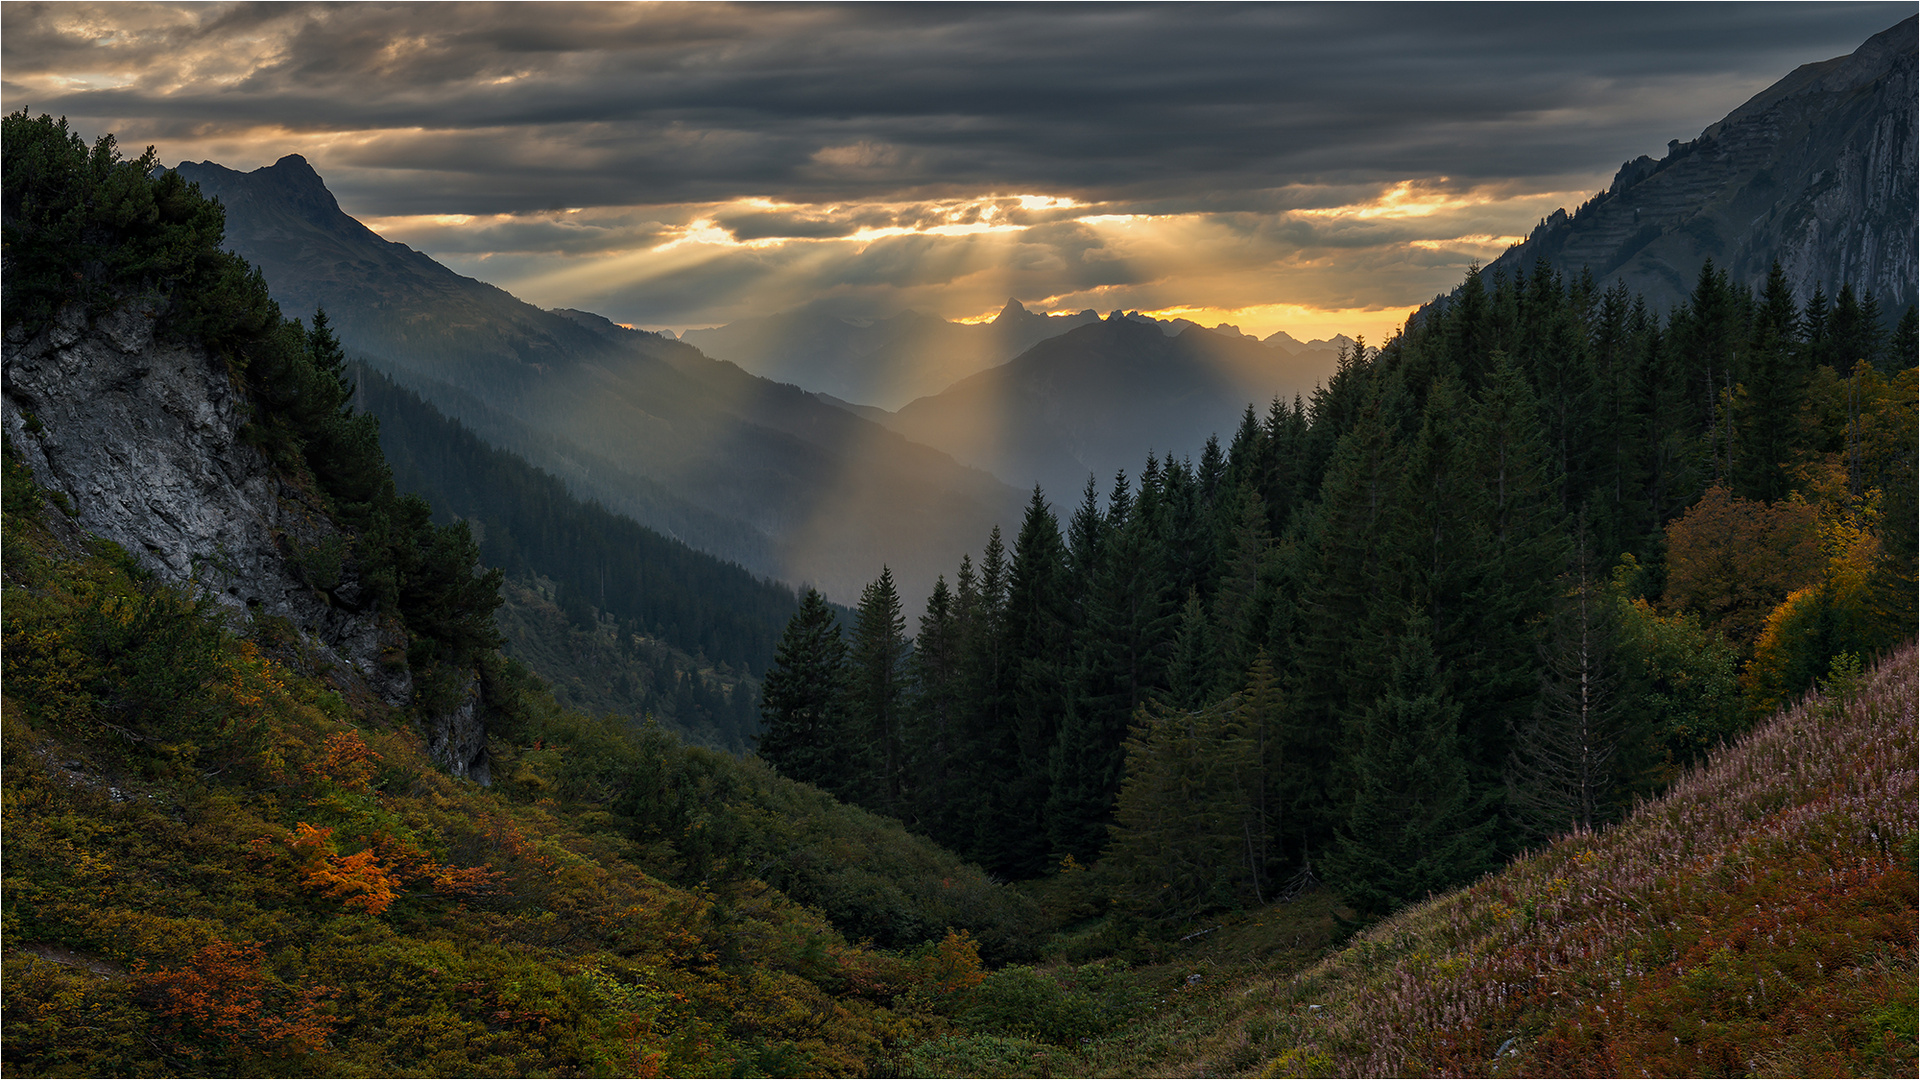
(933, 739)
(1040, 645)
(1185, 813)
(1768, 439)
(1411, 826)
(804, 699)
(1194, 671)
(1493, 648)
(877, 696)
(1242, 602)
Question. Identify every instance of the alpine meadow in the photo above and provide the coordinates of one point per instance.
(809, 540)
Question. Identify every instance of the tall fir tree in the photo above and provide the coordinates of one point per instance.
(1493, 648)
(804, 699)
(933, 739)
(1040, 642)
(1768, 440)
(1411, 826)
(1186, 813)
(877, 695)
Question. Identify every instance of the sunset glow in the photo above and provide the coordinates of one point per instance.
(694, 164)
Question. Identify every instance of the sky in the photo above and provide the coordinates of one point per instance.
(1318, 169)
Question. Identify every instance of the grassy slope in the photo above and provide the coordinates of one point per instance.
(262, 876)
(1758, 918)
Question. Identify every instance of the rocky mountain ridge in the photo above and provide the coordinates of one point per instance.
(879, 362)
(1817, 171)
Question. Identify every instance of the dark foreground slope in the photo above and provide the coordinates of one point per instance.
(1817, 171)
(1756, 919)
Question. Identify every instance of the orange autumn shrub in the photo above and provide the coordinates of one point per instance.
(224, 994)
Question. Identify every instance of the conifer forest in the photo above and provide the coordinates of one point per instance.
(1502, 576)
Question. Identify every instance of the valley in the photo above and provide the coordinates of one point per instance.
(401, 678)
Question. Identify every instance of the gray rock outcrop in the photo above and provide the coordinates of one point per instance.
(143, 437)
(1817, 171)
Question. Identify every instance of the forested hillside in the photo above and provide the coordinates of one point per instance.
(1502, 576)
(687, 636)
(756, 472)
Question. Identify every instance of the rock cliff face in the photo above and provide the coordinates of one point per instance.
(1817, 171)
(144, 438)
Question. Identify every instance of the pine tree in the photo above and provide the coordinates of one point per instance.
(1242, 602)
(1186, 812)
(803, 700)
(1411, 826)
(877, 696)
(1492, 649)
(1768, 437)
(1469, 330)
(932, 743)
(1040, 645)
(1121, 652)
(1905, 349)
(1195, 669)
(1616, 423)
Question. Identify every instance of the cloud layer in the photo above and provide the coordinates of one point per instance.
(685, 164)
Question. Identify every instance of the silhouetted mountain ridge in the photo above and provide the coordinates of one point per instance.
(882, 362)
(1095, 399)
(745, 468)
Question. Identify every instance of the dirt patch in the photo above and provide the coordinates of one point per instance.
(60, 954)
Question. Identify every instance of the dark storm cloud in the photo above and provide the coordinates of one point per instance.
(486, 109)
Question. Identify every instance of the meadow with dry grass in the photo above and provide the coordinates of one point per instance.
(1758, 919)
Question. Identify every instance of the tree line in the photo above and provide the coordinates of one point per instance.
(1494, 580)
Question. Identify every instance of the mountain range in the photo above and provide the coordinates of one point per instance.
(755, 471)
(1817, 171)
(1092, 401)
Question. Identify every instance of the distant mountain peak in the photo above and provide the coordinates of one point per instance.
(1013, 311)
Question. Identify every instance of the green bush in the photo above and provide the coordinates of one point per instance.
(1022, 1001)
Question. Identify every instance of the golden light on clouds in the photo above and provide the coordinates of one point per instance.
(1312, 273)
(1406, 199)
(1475, 242)
(1302, 322)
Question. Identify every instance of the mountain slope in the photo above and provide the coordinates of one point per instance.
(1817, 171)
(1091, 401)
(748, 469)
